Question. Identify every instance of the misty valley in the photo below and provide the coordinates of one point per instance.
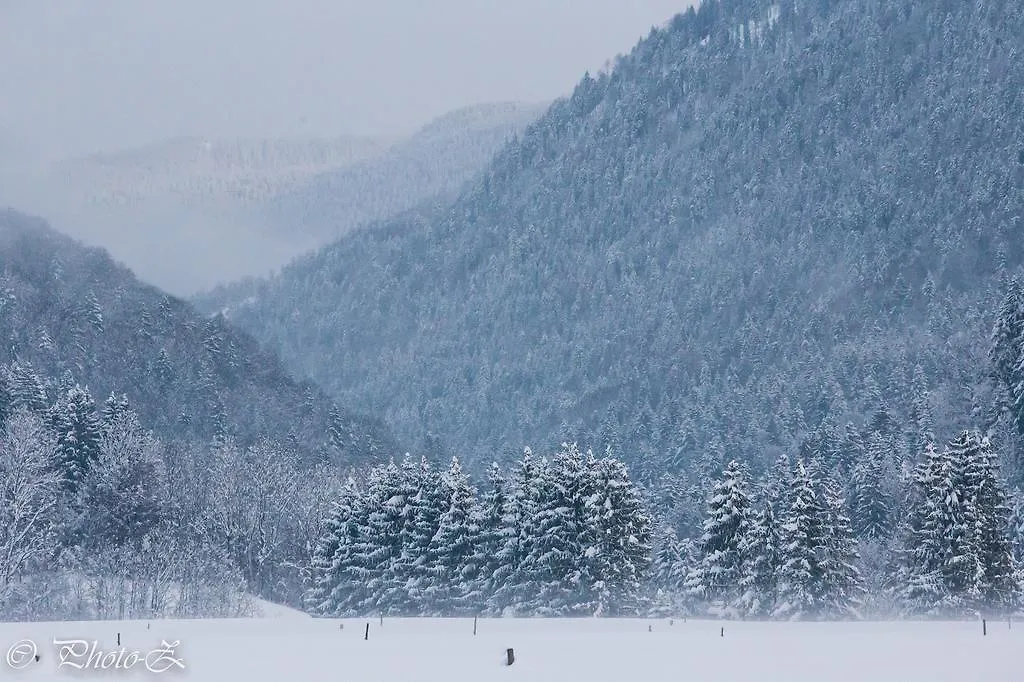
(716, 355)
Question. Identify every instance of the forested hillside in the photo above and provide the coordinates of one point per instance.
(768, 221)
(189, 213)
(73, 316)
(432, 165)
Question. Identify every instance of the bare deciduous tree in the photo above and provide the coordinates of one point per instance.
(28, 496)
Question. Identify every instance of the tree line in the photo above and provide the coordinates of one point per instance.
(790, 546)
(569, 536)
(99, 518)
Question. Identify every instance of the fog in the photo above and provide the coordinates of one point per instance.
(80, 76)
(139, 88)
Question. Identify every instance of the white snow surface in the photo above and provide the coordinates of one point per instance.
(298, 649)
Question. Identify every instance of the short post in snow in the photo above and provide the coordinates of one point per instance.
(722, 633)
(510, 656)
(474, 626)
(984, 627)
(119, 639)
(382, 620)
(367, 635)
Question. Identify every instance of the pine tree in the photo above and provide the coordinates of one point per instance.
(801, 574)
(921, 417)
(116, 408)
(871, 508)
(963, 561)
(332, 555)
(416, 507)
(74, 420)
(921, 581)
(451, 554)
(997, 588)
(26, 388)
(761, 562)
(379, 546)
(1006, 351)
(516, 581)
(668, 574)
(561, 536)
(616, 563)
(843, 587)
(716, 578)
(776, 485)
(490, 515)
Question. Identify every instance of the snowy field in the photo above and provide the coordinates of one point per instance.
(292, 648)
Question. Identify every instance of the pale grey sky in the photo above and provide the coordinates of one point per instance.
(83, 75)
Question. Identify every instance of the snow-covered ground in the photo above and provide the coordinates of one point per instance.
(298, 649)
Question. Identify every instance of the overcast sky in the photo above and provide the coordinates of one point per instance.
(84, 75)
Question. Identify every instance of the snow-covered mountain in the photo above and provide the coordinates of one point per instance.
(189, 212)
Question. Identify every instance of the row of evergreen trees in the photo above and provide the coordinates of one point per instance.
(787, 548)
(787, 552)
(569, 536)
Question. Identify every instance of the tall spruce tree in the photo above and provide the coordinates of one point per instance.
(562, 535)
(74, 420)
(802, 573)
(761, 561)
(331, 560)
(921, 587)
(515, 580)
(716, 577)
(997, 588)
(452, 560)
(843, 588)
(489, 517)
(871, 508)
(617, 561)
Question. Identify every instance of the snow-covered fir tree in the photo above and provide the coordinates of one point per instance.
(801, 573)
(716, 578)
(514, 580)
(562, 535)
(74, 420)
(761, 553)
(997, 587)
(871, 508)
(842, 596)
(453, 563)
(332, 560)
(669, 568)
(958, 555)
(618, 558)
(489, 518)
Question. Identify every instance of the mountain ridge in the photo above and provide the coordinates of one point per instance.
(768, 219)
(71, 310)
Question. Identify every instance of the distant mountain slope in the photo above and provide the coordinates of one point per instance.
(432, 165)
(68, 308)
(770, 216)
(198, 171)
(188, 213)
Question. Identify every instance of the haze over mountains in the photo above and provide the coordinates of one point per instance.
(739, 322)
(190, 213)
(768, 220)
(71, 314)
